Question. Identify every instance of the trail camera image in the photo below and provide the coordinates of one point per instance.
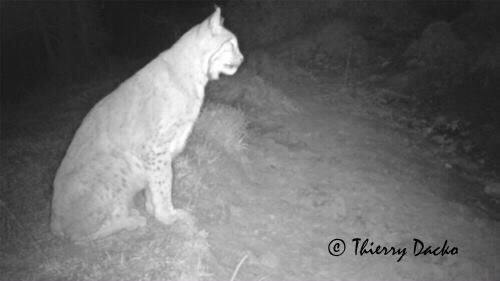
(249, 140)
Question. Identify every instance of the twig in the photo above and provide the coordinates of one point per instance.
(348, 63)
(238, 267)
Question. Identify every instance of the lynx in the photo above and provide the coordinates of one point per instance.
(127, 142)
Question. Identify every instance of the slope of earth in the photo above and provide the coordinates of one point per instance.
(321, 162)
(340, 169)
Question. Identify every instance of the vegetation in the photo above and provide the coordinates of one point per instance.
(425, 69)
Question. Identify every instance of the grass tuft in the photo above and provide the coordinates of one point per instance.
(222, 125)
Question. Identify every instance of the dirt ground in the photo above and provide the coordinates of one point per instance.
(336, 165)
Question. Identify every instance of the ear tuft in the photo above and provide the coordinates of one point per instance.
(217, 10)
(215, 21)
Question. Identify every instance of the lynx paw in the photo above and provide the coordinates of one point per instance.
(174, 215)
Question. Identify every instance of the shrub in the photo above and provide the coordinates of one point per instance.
(222, 125)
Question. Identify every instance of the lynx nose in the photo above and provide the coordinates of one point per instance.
(239, 60)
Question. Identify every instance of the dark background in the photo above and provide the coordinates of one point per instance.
(448, 51)
(41, 37)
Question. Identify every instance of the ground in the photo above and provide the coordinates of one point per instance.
(321, 159)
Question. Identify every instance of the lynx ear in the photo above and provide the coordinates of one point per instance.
(215, 21)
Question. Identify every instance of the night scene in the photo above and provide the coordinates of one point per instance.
(249, 140)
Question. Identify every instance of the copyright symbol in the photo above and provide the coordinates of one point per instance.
(336, 247)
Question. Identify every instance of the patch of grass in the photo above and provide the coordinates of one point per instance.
(217, 139)
(190, 261)
(178, 253)
(196, 190)
(222, 125)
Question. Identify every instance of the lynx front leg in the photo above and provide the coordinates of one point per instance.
(159, 196)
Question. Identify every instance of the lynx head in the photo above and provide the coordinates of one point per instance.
(222, 52)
